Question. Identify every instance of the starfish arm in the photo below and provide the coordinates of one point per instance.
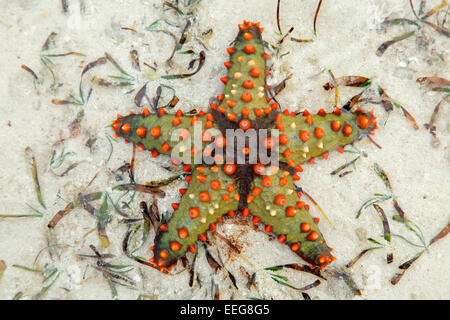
(305, 137)
(274, 202)
(210, 195)
(244, 93)
(168, 134)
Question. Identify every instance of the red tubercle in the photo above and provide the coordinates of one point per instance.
(248, 84)
(245, 124)
(126, 127)
(231, 103)
(145, 112)
(304, 135)
(249, 48)
(155, 132)
(247, 36)
(335, 125)
(255, 72)
(347, 130)
(161, 112)
(204, 196)
(246, 97)
(280, 200)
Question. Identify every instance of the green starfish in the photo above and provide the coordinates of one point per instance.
(220, 186)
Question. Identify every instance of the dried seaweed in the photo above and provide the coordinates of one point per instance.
(139, 188)
(405, 266)
(346, 165)
(187, 75)
(133, 159)
(250, 278)
(398, 276)
(315, 17)
(37, 214)
(380, 172)
(439, 29)
(103, 218)
(349, 81)
(90, 65)
(359, 256)
(227, 241)
(298, 267)
(297, 189)
(183, 36)
(284, 281)
(56, 160)
(284, 37)
(411, 226)
(34, 173)
(151, 216)
(375, 199)
(215, 266)
(389, 104)
(18, 296)
(434, 10)
(398, 209)
(278, 17)
(174, 7)
(69, 168)
(306, 296)
(140, 95)
(192, 270)
(72, 205)
(347, 279)
(413, 10)
(443, 233)
(353, 101)
(385, 45)
(398, 21)
(301, 40)
(49, 274)
(420, 21)
(113, 273)
(389, 258)
(276, 89)
(2, 268)
(384, 220)
(438, 81)
(410, 118)
(29, 70)
(75, 125)
(232, 278)
(134, 56)
(46, 58)
(122, 80)
(436, 84)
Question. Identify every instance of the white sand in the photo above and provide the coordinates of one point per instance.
(346, 43)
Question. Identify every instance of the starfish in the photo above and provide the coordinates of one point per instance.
(219, 186)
